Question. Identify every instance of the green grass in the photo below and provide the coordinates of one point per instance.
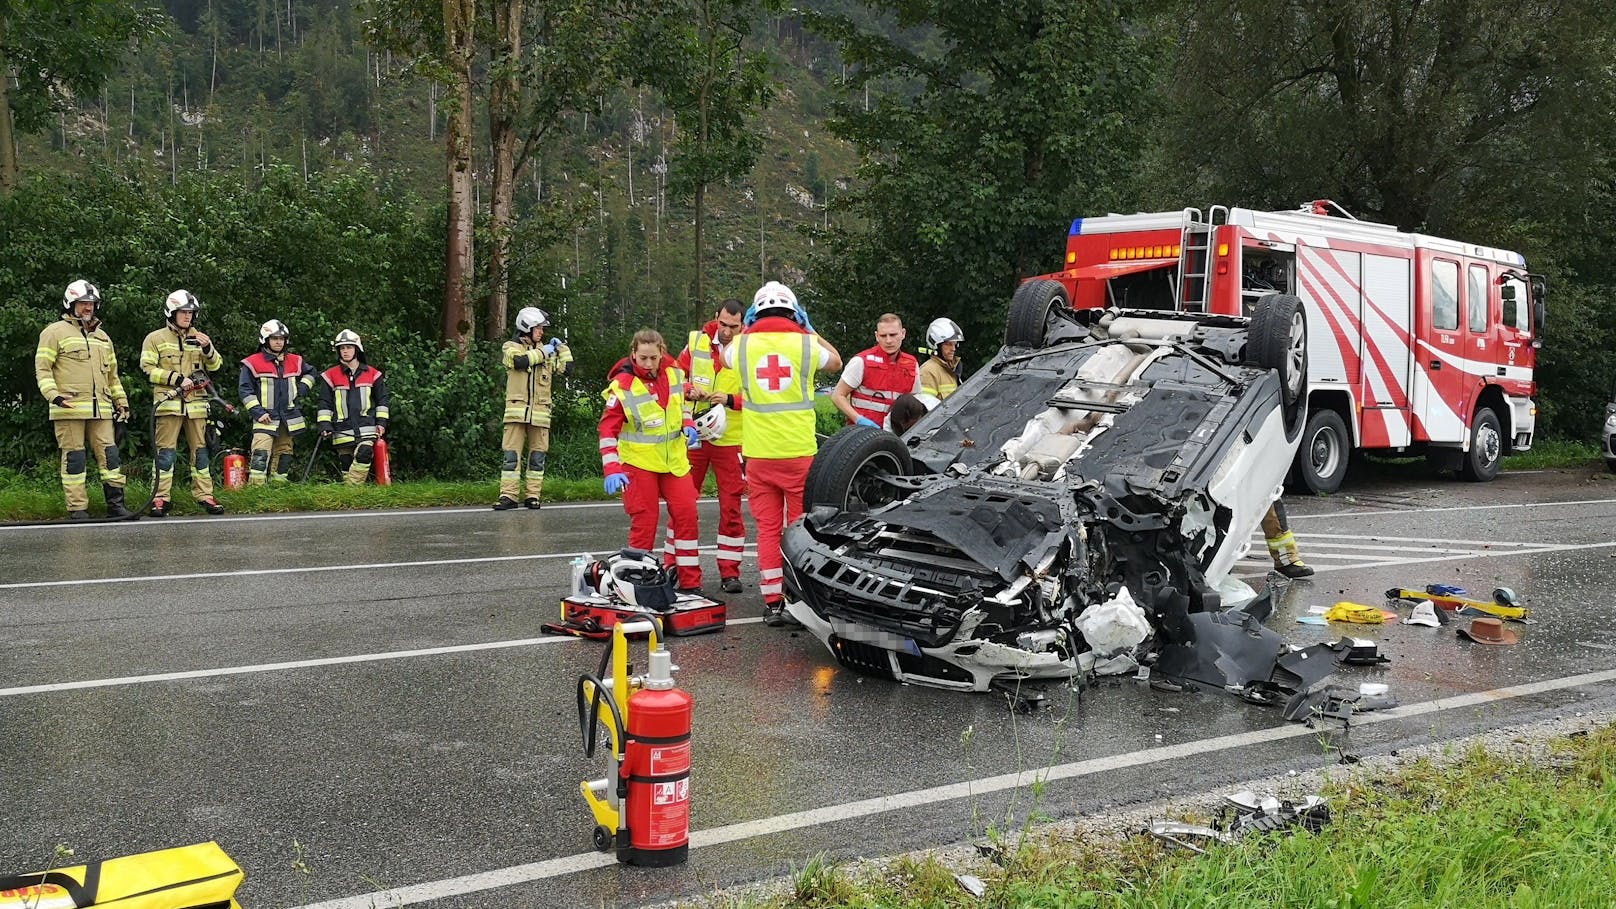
(1471, 830)
(1555, 453)
(24, 498)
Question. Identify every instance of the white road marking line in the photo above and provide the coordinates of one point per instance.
(745, 830)
(305, 664)
(1473, 555)
(1382, 537)
(1401, 511)
(312, 569)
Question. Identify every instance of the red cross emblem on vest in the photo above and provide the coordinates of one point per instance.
(774, 373)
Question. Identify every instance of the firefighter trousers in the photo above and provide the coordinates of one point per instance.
(774, 492)
(72, 437)
(196, 440)
(271, 448)
(535, 440)
(353, 459)
(1276, 528)
(725, 461)
(642, 500)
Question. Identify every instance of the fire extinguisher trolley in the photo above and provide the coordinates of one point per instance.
(642, 806)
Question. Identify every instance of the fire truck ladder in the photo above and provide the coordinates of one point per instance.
(1195, 256)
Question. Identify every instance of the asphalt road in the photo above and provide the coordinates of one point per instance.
(362, 709)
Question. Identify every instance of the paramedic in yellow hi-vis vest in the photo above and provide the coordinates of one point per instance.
(78, 376)
(532, 365)
(715, 396)
(940, 374)
(645, 431)
(273, 381)
(776, 357)
(177, 358)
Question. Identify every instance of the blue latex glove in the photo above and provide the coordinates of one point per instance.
(552, 346)
(866, 421)
(802, 319)
(616, 483)
(692, 438)
(750, 317)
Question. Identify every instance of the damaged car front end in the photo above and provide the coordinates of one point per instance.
(1101, 460)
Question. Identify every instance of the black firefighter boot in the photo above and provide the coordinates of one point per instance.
(115, 506)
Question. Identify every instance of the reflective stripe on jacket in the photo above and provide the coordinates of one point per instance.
(884, 379)
(167, 359)
(650, 434)
(77, 364)
(273, 385)
(708, 373)
(937, 379)
(776, 369)
(529, 383)
(353, 404)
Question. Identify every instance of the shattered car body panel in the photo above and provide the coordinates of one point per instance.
(1137, 450)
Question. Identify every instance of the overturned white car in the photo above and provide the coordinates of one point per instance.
(1099, 452)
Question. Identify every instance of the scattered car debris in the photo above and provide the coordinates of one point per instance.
(1365, 652)
(1358, 614)
(971, 884)
(1505, 604)
(1332, 703)
(1244, 814)
(1488, 630)
(1425, 613)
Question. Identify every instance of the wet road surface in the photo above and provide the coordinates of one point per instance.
(362, 709)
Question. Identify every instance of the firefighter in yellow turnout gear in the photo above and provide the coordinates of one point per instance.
(176, 358)
(1287, 558)
(353, 407)
(532, 365)
(77, 374)
(272, 382)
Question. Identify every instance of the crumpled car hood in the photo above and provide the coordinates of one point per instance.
(1004, 531)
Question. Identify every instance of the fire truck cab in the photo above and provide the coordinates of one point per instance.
(1418, 345)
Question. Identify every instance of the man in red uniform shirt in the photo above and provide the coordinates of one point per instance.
(874, 378)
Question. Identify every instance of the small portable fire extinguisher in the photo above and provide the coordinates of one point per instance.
(656, 767)
(380, 468)
(235, 470)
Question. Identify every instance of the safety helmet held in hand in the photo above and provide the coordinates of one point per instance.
(274, 328)
(634, 577)
(347, 336)
(529, 318)
(941, 331)
(710, 424)
(81, 290)
(180, 301)
(774, 296)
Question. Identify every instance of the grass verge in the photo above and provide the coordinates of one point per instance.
(1548, 454)
(1480, 829)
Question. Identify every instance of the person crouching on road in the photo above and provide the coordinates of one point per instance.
(644, 433)
(716, 405)
(875, 377)
(353, 407)
(776, 357)
(77, 374)
(177, 359)
(940, 374)
(272, 382)
(531, 364)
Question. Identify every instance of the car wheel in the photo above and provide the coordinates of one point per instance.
(1486, 452)
(1321, 460)
(1277, 339)
(1030, 309)
(1611, 464)
(847, 470)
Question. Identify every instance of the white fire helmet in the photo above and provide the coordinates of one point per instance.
(636, 578)
(274, 328)
(529, 318)
(348, 336)
(180, 301)
(941, 331)
(80, 290)
(775, 295)
(711, 423)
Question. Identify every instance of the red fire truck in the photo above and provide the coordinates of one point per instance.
(1417, 344)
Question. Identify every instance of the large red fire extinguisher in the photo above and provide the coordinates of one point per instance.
(380, 468)
(234, 469)
(656, 769)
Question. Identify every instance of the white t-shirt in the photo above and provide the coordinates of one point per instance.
(853, 375)
(733, 350)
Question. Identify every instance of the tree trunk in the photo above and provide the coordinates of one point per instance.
(504, 105)
(458, 22)
(8, 141)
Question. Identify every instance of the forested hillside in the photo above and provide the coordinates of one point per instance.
(291, 159)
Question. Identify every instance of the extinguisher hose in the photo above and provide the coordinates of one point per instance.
(589, 712)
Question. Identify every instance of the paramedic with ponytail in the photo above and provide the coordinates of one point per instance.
(644, 433)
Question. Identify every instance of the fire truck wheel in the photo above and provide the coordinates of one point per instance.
(1611, 463)
(846, 472)
(603, 839)
(1321, 461)
(1030, 309)
(1486, 452)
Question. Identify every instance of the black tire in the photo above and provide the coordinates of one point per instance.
(1030, 310)
(842, 471)
(1610, 463)
(1321, 459)
(603, 839)
(1486, 453)
(1277, 339)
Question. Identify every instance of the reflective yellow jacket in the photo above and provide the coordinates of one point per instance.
(79, 365)
(167, 359)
